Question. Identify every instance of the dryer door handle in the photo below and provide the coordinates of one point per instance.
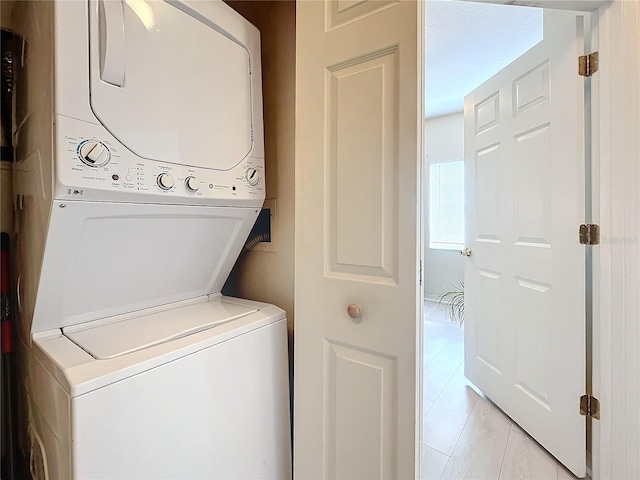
(112, 41)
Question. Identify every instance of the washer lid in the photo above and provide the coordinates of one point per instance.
(105, 339)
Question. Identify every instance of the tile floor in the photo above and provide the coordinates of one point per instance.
(465, 436)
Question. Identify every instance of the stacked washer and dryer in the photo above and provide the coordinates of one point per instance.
(139, 174)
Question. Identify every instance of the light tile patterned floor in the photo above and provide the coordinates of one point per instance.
(466, 436)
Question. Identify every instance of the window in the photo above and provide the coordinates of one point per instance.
(446, 201)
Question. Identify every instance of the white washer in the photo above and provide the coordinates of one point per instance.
(191, 391)
(139, 174)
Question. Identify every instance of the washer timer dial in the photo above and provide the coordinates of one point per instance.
(94, 153)
(252, 176)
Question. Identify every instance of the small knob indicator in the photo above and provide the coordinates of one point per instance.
(192, 184)
(94, 153)
(165, 181)
(252, 176)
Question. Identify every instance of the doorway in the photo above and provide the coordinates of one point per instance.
(464, 434)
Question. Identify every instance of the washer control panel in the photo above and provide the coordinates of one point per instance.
(93, 165)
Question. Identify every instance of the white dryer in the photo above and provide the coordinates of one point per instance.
(139, 174)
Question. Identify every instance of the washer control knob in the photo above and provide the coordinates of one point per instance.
(192, 184)
(252, 176)
(165, 181)
(94, 153)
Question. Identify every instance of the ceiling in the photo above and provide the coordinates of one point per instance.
(467, 43)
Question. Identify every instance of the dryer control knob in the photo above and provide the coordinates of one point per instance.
(94, 153)
(252, 176)
(165, 181)
(192, 184)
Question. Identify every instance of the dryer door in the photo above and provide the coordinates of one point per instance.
(171, 84)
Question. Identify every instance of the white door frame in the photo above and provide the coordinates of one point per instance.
(616, 261)
(616, 323)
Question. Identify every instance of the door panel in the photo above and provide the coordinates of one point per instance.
(340, 12)
(525, 281)
(357, 136)
(362, 145)
(360, 413)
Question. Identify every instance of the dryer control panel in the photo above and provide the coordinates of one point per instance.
(92, 165)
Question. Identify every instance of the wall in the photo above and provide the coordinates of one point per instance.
(444, 142)
(266, 272)
(6, 14)
(553, 19)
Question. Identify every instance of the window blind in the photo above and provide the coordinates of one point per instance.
(446, 218)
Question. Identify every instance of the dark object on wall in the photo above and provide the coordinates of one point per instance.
(6, 82)
(8, 380)
(9, 448)
(261, 231)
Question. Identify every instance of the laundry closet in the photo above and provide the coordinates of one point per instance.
(139, 171)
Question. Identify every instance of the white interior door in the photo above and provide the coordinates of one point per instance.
(358, 109)
(525, 278)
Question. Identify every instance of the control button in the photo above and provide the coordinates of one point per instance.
(252, 176)
(94, 153)
(115, 176)
(128, 178)
(192, 184)
(165, 181)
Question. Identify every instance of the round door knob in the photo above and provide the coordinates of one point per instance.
(354, 310)
(94, 153)
(466, 252)
(165, 181)
(192, 184)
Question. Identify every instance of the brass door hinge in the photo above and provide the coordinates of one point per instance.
(589, 234)
(590, 406)
(588, 64)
